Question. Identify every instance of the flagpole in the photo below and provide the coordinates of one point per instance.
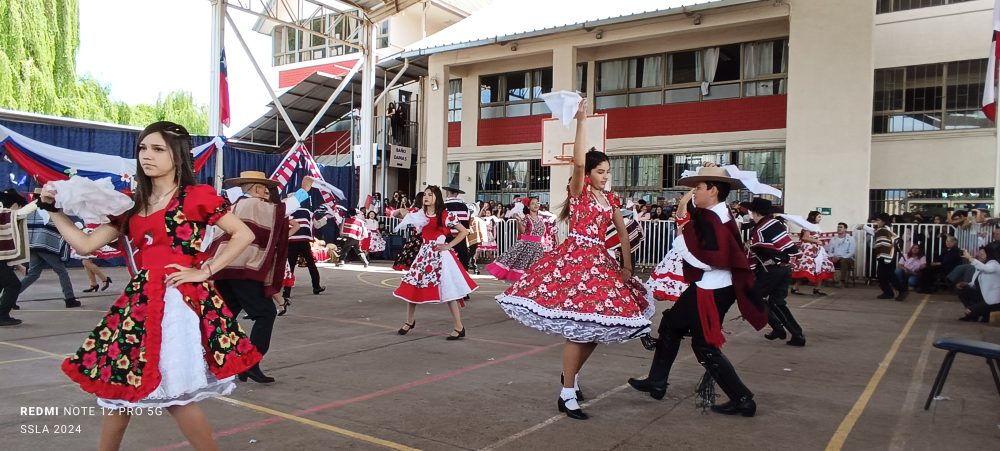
(214, 115)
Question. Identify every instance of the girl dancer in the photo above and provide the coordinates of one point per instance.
(812, 263)
(374, 243)
(528, 249)
(578, 291)
(168, 341)
(436, 275)
(412, 245)
(666, 283)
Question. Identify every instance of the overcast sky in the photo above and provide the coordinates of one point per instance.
(141, 48)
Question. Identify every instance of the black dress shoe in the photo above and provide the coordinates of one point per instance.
(744, 406)
(256, 375)
(797, 341)
(656, 391)
(73, 303)
(576, 414)
(9, 321)
(461, 334)
(319, 290)
(579, 393)
(776, 334)
(92, 289)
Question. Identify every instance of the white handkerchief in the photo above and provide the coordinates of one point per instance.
(563, 105)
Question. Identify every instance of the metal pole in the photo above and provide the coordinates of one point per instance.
(367, 111)
(214, 119)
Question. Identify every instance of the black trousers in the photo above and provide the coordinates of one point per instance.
(886, 273)
(772, 284)
(471, 264)
(462, 251)
(683, 319)
(352, 244)
(249, 295)
(972, 299)
(11, 286)
(302, 248)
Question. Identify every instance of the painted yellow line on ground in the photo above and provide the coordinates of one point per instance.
(318, 425)
(29, 348)
(840, 436)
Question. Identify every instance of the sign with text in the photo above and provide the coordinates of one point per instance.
(400, 157)
(825, 211)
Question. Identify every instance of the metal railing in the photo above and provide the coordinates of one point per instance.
(659, 237)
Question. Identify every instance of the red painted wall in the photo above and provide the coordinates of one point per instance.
(454, 134)
(714, 116)
(291, 77)
(330, 143)
(511, 130)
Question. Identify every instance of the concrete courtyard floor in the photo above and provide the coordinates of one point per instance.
(346, 380)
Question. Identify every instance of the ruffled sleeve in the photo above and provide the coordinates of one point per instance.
(451, 220)
(203, 204)
(614, 201)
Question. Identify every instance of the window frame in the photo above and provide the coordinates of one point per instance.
(882, 119)
(533, 101)
(455, 98)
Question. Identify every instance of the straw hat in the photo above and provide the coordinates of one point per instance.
(250, 177)
(710, 174)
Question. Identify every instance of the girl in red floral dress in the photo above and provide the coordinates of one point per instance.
(579, 291)
(436, 276)
(811, 263)
(168, 340)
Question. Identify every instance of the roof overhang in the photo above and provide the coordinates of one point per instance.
(306, 98)
(470, 33)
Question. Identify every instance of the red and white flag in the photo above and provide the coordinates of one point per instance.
(223, 90)
(990, 90)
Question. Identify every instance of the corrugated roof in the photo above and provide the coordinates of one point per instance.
(506, 20)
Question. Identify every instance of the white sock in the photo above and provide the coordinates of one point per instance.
(568, 395)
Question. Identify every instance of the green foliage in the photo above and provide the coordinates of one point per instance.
(38, 44)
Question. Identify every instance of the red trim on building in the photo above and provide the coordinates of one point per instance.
(510, 130)
(454, 134)
(291, 77)
(713, 116)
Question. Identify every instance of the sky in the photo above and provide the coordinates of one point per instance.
(142, 48)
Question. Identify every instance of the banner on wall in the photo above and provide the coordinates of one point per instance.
(46, 163)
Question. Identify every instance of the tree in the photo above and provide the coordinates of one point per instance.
(39, 40)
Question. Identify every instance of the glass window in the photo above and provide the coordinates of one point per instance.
(453, 174)
(521, 93)
(685, 67)
(517, 86)
(611, 75)
(489, 89)
(581, 77)
(504, 180)
(645, 72)
(929, 97)
(455, 100)
(728, 66)
(682, 95)
(888, 6)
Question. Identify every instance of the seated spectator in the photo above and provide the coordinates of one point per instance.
(656, 214)
(841, 250)
(965, 271)
(949, 258)
(982, 295)
(910, 265)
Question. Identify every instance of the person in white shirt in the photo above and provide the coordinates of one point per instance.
(841, 249)
(982, 295)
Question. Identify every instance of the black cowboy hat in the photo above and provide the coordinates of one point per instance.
(10, 196)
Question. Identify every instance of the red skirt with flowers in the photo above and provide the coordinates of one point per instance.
(435, 277)
(577, 292)
(812, 264)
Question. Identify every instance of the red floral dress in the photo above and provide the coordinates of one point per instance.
(811, 263)
(142, 353)
(577, 290)
(435, 276)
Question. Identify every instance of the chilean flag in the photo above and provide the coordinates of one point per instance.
(223, 90)
(990, 90)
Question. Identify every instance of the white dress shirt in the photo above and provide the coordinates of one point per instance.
(841, 247)
(713, 278)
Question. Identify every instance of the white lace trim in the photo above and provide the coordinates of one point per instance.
(574, 326)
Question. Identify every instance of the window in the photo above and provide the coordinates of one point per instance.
(637, 176)
(769, 165)
(514, 94)
(889, 6)
(382, 35)
(926, 201)
(292, 45)
(454, 178)
(728, 71)
(929, 97)
(504, 180)
(455, 100)
(581, 78)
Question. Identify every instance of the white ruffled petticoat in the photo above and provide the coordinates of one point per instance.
(185, 377)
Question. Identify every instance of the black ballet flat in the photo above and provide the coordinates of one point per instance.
(461, 334)
(106, 284)
(407, 327)
(576, 414)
